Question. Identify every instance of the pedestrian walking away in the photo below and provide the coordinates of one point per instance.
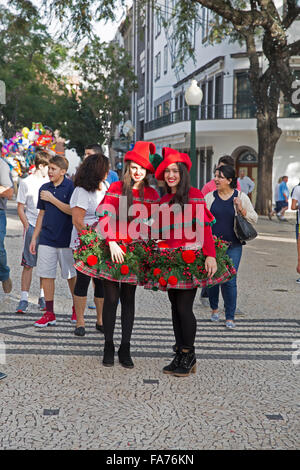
(222, 204)
(283, 199)
(133, 189)
(174, 171)
(88, 193)
(27, 199)
(54, 227)
(276, 199)
(6, 192)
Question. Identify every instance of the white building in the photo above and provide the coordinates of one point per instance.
(226, 123)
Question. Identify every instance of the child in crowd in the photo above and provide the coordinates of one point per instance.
(27, 199)
(54, 227)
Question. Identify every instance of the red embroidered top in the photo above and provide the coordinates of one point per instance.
(114, 224)
(190, 228)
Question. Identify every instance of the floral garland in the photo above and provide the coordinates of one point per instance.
(154, 264)
(163, 266)
(95, 253)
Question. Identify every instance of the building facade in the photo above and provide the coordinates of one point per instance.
(226, 122)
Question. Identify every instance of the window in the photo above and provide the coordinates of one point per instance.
(192, 34)
(157, 66)
(157, 23)
(166, 107)
(158, 111)
(243, 97)
(205, 23)
(173, 51)
(203, 104)
(219, 96)
(166, 58)
(210, 88)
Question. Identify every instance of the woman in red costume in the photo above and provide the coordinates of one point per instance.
(194, 220)
(117, 213)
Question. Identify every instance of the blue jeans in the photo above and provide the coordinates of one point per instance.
(229, 288)
(4, 269)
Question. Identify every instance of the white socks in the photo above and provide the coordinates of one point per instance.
(24, 295)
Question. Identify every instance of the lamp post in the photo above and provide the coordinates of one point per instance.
(193, 97)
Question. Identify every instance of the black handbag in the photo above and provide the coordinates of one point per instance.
(243, 229)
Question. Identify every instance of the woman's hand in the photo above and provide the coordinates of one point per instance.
(117, 254)
(238, 204)
(210, 266)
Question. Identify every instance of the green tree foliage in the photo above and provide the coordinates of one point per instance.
(31, 64)
(28, 61)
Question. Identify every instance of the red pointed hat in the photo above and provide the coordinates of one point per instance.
(171, 156)
(140, 154)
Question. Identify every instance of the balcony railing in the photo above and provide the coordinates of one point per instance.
(213, 112)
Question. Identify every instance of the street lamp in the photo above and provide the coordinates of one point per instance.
(193, 97)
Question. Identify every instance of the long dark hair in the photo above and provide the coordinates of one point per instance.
(229, 172)
(181, 196)
(128, 186)
(91, 172)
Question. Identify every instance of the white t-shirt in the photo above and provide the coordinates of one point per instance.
(89, 201)
(28, 194)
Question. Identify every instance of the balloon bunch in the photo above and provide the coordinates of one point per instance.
(19, 151)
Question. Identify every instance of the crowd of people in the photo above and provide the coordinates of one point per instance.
(55, 209)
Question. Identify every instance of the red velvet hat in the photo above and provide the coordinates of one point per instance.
(171, 156)
(140, 154)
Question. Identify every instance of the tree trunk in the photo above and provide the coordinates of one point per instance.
(268, 134)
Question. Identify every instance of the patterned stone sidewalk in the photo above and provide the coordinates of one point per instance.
(245, 394)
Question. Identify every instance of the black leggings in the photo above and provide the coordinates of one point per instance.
(113, 291)
(82, 285)
(184, 321)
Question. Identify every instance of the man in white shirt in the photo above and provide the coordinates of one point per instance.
(27, 199)
(247, 185)
(296, 207)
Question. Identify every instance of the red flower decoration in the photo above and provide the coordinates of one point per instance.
(156, 272)
(188, 256)
(124, 269)
(162, 281)
(123, 247)
(92, 260)
(173, 280)
(163, 245)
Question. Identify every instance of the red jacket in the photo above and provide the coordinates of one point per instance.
(113, 223)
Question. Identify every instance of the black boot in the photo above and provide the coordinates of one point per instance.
(169, 369)
(187, 363)
(109, 354)
(124, 356)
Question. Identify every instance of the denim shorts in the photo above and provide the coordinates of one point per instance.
(281, 205)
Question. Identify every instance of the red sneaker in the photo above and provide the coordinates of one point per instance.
(74, 316)
(47, 319)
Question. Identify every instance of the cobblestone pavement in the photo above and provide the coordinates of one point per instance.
(245, 394)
